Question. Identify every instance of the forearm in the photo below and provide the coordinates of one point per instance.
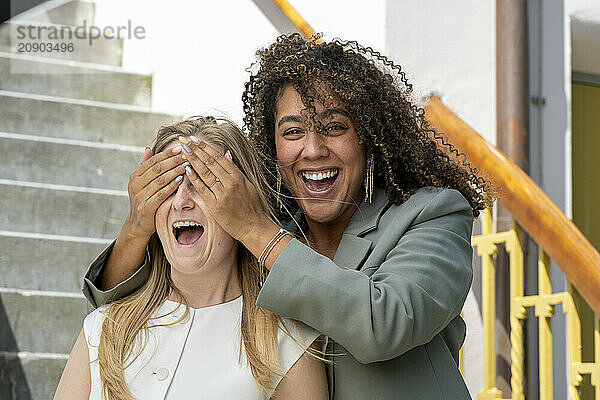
(127, 255)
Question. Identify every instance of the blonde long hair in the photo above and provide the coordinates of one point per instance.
(128, 320)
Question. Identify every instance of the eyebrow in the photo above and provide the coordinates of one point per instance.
(330, 112)
(289, 118)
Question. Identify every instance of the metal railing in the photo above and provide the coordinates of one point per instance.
(544, 304)
(527, 203)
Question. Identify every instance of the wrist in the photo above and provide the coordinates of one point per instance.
(257, 235)
(254, 226)
(132, 242)
(131, 233)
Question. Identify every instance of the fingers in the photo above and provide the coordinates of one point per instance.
(199, 184)
(147, 154)
(164, 184)
(155, 166)
(156, 199)
(149, 163)
(213, 156)
(206, 161)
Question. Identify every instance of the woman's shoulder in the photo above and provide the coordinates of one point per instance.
(297, 332)
(293, 338)
(98, 313)
(434, 206)
(432, 201)
(438, 196)
(92, 324)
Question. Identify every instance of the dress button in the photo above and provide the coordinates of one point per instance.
(161, 374)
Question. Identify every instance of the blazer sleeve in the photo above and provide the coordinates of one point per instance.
(98, 297)
(412, 295)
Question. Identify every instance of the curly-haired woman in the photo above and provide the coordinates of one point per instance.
(379, 255)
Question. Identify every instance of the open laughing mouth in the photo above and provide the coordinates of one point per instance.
(187, 232)
(319, 181)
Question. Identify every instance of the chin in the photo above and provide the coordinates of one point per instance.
(185, 270)
(317, 213)
(184, 265)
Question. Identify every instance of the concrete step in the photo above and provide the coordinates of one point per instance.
(61, 210)
(59, 262)
(69, 13)
(30, 74)
(29, 376)
(60, 41)
(41, 322)
(79, 119)
(58, 161)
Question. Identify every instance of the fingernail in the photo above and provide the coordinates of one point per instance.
(186, 148)
(228, 155)
(195, 139)
(147, 148)
(184, 140)
(189, 170)
(176, 149)
(179, 178)
(186, 164)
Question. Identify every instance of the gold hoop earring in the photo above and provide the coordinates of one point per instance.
(279, 203)
(369, 178)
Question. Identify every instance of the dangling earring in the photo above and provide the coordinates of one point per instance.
(369, 178)
(279, 203)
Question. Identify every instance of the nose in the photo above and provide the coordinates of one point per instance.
(315, 145)
(182, 199)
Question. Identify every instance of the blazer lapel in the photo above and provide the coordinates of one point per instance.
(353, 248)
(352, 251)
(366, 217)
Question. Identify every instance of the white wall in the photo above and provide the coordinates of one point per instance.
(448, 49)
(585, 29)
(198, 50)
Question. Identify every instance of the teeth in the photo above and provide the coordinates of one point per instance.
(317, 176)
(180, 224)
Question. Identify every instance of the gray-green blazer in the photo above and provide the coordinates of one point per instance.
(389, 301)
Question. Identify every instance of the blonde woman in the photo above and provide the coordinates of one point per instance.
(193, 329)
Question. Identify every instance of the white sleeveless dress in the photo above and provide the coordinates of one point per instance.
(198, 358)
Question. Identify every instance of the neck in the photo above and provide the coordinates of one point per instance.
(325, 237)
(213, 284)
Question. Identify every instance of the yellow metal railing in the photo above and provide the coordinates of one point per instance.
(527, 203)
(543, 303)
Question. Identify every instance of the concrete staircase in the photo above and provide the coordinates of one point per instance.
(72, 128)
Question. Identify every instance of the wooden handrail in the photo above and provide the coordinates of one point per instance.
(527, 203)
(294, 16)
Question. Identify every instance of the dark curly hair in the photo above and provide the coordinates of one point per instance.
(408, 152)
